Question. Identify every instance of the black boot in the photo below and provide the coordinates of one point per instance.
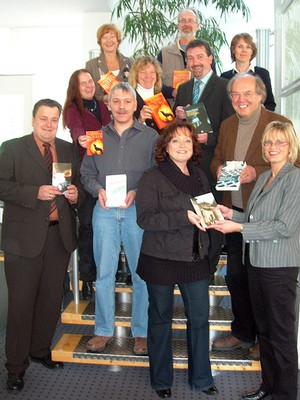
(87, 290)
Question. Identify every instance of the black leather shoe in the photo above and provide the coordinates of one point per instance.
(47, 362)
(87, 290)
(15, 381)
(210, 391)
(164, 394)
(257, 395)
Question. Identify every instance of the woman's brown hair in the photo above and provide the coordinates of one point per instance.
(73, 94)
(169, 132)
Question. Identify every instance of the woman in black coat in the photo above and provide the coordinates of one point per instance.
(174, 251)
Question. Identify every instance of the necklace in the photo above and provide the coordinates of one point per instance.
(90, 105)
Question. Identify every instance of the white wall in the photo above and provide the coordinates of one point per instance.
(49, 50)
(262, 17)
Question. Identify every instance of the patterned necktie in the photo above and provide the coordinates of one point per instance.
(196, 91)
(49, 161)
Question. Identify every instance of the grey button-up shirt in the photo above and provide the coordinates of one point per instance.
(130, 154)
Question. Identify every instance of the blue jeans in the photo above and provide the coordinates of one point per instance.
(110, 227)
(196, 304)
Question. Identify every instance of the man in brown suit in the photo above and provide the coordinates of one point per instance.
(240, 140)
(38, 236)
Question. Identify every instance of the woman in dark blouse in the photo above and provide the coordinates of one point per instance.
(243, 50)
(83, 112)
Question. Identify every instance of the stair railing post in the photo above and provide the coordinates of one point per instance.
(75, 276)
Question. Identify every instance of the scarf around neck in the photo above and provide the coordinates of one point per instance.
(191, 184)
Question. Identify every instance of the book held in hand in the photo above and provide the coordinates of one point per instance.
(108, 81)
(162, 113)
(206, 207)
(229, 178)
(116, 190)
(180, 76)
(94, 144)
(61, 175)
(197, 116)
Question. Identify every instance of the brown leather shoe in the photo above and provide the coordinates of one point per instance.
(98, 343)
(140, 346)
(254, 352)
(229, 342)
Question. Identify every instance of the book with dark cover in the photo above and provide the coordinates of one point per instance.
(94, 143)
(61, 175)
(229, 178)
(197, 116)
(162, 113)
(108, 81)
(180, 76)
(206, 207)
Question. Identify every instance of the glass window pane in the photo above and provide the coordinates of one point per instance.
(290, 41)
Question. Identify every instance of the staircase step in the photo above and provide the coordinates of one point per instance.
(84, 314)
(71, 348)
(216, 288)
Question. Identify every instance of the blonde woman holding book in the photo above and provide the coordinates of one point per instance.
(146, 78)
(270, 227)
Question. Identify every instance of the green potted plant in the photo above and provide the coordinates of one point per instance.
(150, 23)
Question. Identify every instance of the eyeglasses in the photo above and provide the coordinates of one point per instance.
(246, 95)
(187, 21)
(278, 143)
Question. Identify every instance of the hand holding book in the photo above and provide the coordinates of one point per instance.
(145, 113)
(206, 208)
(161, 110)
(107, 81)
(229, 178)
(61, 175)
(197, 115)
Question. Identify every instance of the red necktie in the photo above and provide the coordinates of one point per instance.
(49, 161)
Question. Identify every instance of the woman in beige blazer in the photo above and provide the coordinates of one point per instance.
(109, 38)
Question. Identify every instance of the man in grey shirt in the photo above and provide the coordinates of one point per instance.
(128, 148)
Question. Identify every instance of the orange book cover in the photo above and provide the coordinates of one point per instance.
(161, 111)
(94, 143)
(180, 76)
(108, 81)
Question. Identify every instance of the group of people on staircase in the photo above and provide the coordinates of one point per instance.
(163, 239)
